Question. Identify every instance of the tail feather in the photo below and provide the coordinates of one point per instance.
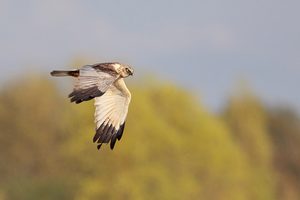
(74, 73)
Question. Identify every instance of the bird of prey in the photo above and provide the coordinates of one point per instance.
(103, 82)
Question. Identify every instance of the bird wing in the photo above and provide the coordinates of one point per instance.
(110, 114)
(92, 81)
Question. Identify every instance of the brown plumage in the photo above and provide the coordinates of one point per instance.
(74, 73)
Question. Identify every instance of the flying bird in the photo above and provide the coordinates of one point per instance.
(103, 82)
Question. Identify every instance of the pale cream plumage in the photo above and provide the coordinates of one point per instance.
(105, 83)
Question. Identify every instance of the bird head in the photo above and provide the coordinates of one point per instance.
(125, 70)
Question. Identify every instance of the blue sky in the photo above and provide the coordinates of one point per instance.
(207, 46)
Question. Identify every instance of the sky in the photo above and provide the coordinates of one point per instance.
(207, 46)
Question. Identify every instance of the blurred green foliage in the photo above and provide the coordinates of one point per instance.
(172, 148)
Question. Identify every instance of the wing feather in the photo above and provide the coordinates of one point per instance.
(110, 114)
(93, 81)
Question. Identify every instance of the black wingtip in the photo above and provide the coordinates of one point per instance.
(99, 146)
(108, 134)
(120, 132)
(113, 141)
(95, 138)
(80, 95)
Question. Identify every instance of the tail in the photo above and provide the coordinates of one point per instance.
(74, 73)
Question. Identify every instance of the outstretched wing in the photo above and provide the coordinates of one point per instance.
(93, 81)
(110, 114)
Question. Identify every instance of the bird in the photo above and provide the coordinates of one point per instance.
(103, 82)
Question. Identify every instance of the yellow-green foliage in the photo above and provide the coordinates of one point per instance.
(172, 148)
(246, 118)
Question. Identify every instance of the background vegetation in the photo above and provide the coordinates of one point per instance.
(172, 148)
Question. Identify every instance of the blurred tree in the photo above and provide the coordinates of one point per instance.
(32, 131)
(284, 126)
(172, 149)
(246, 118)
